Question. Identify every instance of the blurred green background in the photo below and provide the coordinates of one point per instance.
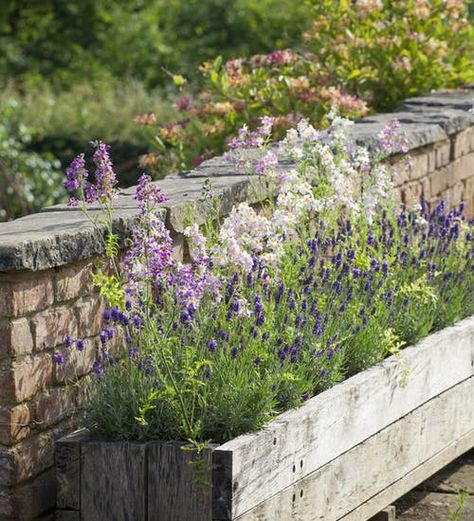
(76, 70)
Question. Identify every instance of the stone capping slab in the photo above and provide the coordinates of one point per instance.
(61, 235)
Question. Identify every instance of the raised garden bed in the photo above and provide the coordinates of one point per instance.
(343, 455)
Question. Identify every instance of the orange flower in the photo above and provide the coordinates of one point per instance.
(148, 118)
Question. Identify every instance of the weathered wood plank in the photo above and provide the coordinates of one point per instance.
(67, 515)
(68, 470)
(342, 485)
(413, 478)
(113, 481)
(300, 441)
(179, 483)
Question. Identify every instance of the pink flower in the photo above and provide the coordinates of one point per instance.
(184, 103)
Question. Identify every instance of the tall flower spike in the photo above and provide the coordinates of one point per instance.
(148, 194)
(104, 174)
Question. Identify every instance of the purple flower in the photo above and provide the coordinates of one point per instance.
(147, 194)
(185, 318)
(184, 103)
(80, 344)
(137, 321)
(107, 315)
(212, 345)
(58, 358)
(389, 141)
(68, 341)
(76, 174)
(132, 353)
(104, 174)
(103, 337)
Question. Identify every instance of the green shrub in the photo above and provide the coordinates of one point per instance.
(385, 51)
(372, 52)
(64, 121)
(66, 42)
(29, 180)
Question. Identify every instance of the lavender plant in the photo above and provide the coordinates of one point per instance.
(276, 305)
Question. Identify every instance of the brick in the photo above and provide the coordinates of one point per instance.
(401, 171)
(7, 505)
(15, 337)
(22, 294)
(76, 363)
(469, 197)
(36, 496)
(411, 193)
(31, 456)
(426, 188)
(21, 380)
(14, 423)
(444, 178)
(54, 405)
(116, 346)
(454, 195)
(88, 313)
(442, 154)
(178, 246)
(74, 281)
(464, 167)
(51, 326)
(26, 459)
(464, 142)
(419, 166)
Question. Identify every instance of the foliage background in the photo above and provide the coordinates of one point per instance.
(83, 69)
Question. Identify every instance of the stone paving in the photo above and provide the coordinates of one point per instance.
(437, 498)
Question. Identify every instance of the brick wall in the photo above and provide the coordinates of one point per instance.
(46, 290)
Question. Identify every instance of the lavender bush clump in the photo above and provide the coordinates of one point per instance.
(278, 304)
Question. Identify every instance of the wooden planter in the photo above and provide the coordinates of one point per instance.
(344, 455)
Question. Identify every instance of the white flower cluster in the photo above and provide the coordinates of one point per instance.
(332, 173)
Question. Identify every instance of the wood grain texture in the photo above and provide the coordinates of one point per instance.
(342, 485)
(413, 478)
(67, 515)
(113, 481)
(298, 442)
(179, 483)
(68, 470)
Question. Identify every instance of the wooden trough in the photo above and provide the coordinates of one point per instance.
(344, 455)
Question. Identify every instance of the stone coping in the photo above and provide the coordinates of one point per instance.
(61, 235)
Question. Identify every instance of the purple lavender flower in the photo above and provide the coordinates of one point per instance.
(132, 353)
(103, 337)
(76, 174)
(67, 341)
(58, 358)
(104, 174)
(147, 194)
(80, 344)
(389, 141)
(107, 315)
(137, 321)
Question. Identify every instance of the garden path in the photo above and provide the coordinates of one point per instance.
(437, 498)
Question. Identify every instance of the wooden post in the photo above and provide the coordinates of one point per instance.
(179, 483)
(113, 481)
(68, 471)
